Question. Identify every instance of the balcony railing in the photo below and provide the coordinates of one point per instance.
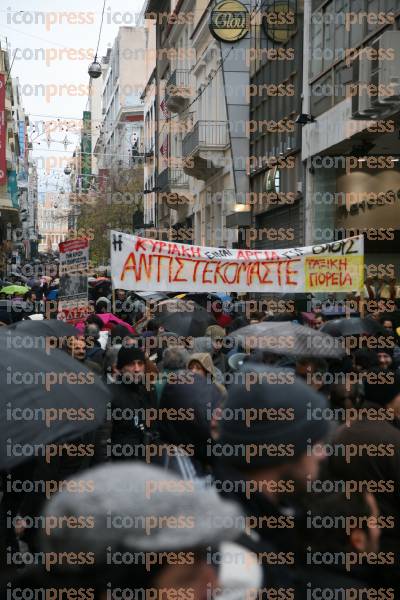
(178, 91)
(172, 179)
(207, 135)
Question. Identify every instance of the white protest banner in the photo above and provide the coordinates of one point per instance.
(73, 290)
(144, 264)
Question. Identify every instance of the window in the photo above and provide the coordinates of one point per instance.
(329, 41)
(272, 180)
(317, 33)
(357, 29)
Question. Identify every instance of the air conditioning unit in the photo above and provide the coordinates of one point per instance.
(362, 107)
(386, 72)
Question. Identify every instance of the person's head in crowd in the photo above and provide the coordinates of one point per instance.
(274, 389)
(385, 393)
(131, 364)
(355, 518)
(318, 309)
(385, 358)
(198, 402)
(30, 296)
(256, 317)
(92, 334)
(387, 323)
(159, 561)
(319, 321)
(169, 339)
(201, 363)
(376, 315)
(95, 319)
(119, 335)
(345, 395)
(120, 295)
(217, 334)
(103, 305)
(364, 360)
(154, 326)
(110, 361)
(312, 370)
(175, 359)
(76, 347)
(379, 435)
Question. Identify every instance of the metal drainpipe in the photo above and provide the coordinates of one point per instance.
(157, 119)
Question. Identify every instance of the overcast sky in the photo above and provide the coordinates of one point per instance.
(68, 46)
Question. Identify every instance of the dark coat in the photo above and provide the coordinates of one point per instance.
(129, 404)
(263, 540)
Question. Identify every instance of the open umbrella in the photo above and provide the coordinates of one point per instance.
(288, 339)
(15, 309)
(48, 327)
(46, 398)
(110, 320)
(14, 289)
(353, 326)
(185, 318)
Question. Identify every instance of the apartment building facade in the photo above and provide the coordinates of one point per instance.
(120, 137)
(18, 175)
(53, 220)
(275, 163)
(351, 149)
(201, 117)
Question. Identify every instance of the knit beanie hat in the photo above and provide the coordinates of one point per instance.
(269, 418)
(215, 331)
(128, 354)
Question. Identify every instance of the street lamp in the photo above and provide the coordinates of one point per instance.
(67, 170)
(95, 69)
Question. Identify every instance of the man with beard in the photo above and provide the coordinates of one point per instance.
(132, 396)
(365, 454)
(268, 429)
(342, 546)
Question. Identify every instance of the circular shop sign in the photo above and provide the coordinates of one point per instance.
(280, 20)
(229, 21)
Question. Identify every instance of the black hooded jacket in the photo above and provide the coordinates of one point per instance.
(129, 404)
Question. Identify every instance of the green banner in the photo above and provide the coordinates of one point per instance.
(86, 150)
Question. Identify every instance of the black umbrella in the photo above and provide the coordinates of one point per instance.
(288, 339)
(186, 318)
(46, 398)
(16, 309)
(353, 326)
(47, 327)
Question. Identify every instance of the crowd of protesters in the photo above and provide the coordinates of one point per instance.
(235, 472)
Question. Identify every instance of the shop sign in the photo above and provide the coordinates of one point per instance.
(229, 21)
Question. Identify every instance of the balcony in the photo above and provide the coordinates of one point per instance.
(178, 92)
(173, 183)
(204, 145)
